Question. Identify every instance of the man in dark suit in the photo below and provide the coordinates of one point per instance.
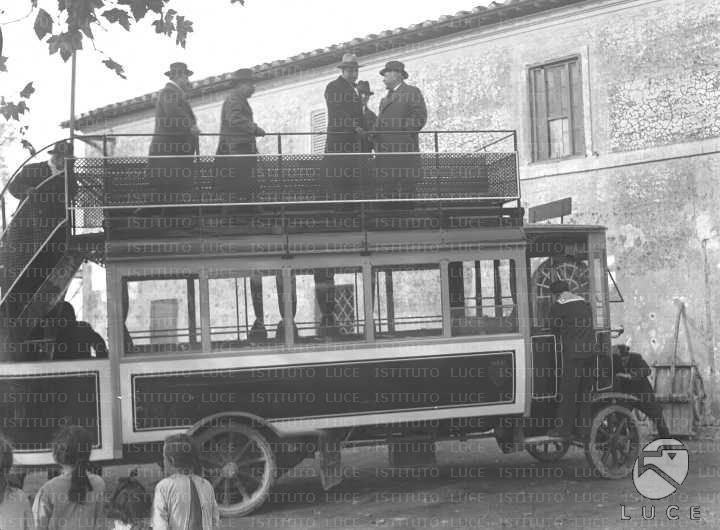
(344, 109)
(571, 321)
(176, 134)
(402, 112)
(236, 181)
(631, 376)
(42, 211)
(369, 117)
(238, 131)
(402, 115)
(344, 128)
(33, 174)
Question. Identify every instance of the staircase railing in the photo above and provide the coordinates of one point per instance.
(34, 223)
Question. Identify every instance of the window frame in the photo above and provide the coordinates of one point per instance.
(226, 267)
(577, 123)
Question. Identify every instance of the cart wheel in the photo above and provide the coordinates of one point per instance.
(614, 442)
(240, 464)
(550, 451)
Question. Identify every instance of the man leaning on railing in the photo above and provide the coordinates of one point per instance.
(32, 175)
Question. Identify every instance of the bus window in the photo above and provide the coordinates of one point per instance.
(483, 297)
(245, 310)
(407, 301)
(330, 304)
(556, 259)
(161, 314)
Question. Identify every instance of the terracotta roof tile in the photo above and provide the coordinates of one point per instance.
(320, 57)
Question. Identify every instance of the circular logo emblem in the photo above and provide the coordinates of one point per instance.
(660, 468)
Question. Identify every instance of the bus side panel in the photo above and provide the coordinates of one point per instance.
(351, 388)
(36, 400)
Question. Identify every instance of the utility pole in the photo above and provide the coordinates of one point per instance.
(708, 322)
(72, 95)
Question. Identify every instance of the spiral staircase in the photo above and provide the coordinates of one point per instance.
(38, 259)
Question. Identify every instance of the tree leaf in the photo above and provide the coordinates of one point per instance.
(118, 16)
(156, 6)
(137, 7)
(65, 43)
(43, 24)
(27, 91)
(13, 110)
(241, 2)
(27, 145)
(3, 66)
(165, 24)
(184, 27)
(116, 67)
(34, 3)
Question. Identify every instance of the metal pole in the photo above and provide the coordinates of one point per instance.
(72, 95)
(708, 319)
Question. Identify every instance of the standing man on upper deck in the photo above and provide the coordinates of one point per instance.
(571, 321)
(176, 134)
(401, 116)
(238, 131)
(369, 117)
(344, 109)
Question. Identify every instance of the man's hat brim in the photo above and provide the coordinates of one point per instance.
(170, 73)
(403, 72)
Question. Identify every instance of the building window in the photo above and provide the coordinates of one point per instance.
(556, 110)
(318, 123)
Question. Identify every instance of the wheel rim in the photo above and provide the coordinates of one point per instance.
(614, 443)
(238, 463)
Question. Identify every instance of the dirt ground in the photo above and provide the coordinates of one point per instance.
(474, 486)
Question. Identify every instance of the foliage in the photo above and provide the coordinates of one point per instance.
(73, 23)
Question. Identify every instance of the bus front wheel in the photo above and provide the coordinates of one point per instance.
(613, 442)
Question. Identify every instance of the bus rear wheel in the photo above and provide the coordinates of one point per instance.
(613, 443)
(240, 464)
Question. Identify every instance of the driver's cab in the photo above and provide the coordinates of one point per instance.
(576, 254)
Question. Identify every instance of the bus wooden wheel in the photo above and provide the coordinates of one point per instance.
(240, 464)
(613, 442)
(550, 451)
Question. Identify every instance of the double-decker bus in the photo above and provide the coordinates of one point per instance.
(347, 299)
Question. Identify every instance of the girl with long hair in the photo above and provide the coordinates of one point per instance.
(14, 505)
(183, 500)
(75, 498)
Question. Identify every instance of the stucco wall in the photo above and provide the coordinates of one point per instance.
(651, 82)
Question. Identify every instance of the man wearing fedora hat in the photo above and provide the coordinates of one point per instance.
(369, 117)
(237, 128)
(33, 174)
(235, 180)
(402, 111)
(401, 115)
(41, 185)
(344, 109)
(176, 134)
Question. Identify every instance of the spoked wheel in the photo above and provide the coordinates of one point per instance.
(550, 451)
(614, 442)
(240, 464)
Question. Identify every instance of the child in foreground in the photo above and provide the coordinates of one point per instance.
(14, 505)
(75, 498)
(183, 500)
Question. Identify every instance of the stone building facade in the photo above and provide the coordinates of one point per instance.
(645, 129)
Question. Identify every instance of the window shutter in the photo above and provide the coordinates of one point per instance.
(578, 122)
(318, 123)
(539, 114)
